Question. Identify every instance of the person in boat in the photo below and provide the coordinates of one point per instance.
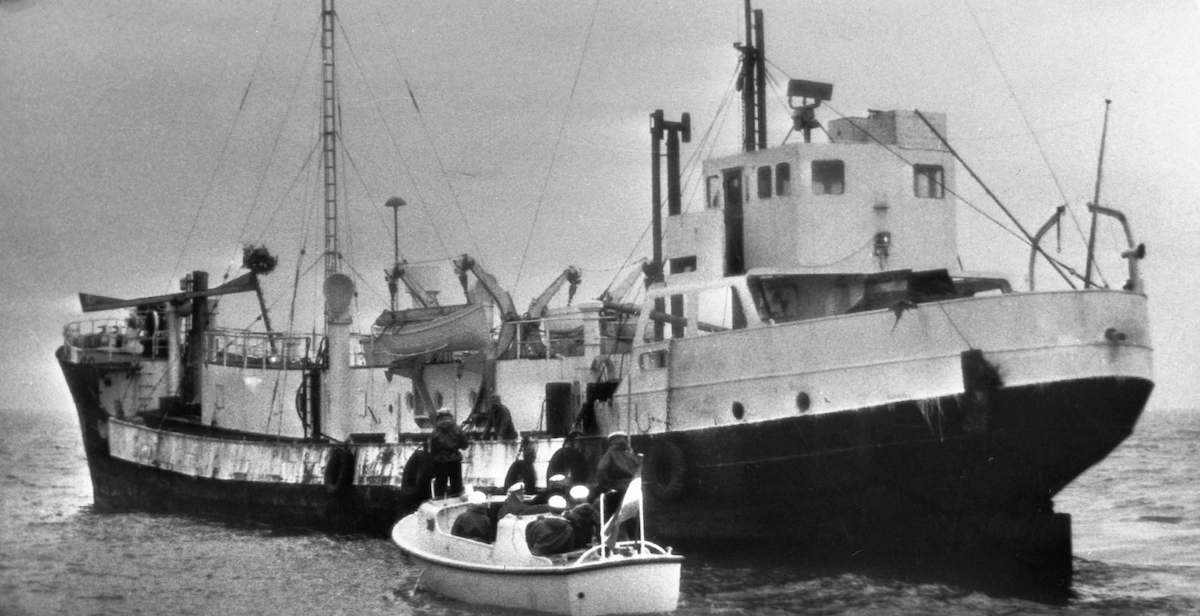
(617, 468)
(522, 470)
(444, 445)
(499, 424)
(551, 534)
(515, 504)
(474, 523)
(556, 485)
(585, 524)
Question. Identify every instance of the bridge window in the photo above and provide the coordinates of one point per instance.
(783, 179)
(928, 181)
(828, 177)
(714, 192)
(764, 182)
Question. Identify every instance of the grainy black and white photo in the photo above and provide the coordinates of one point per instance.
(594, 307)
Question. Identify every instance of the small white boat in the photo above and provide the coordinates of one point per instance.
(633, 577)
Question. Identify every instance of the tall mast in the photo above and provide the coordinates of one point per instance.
(753, 83)
(1091, 252)
(329, 135)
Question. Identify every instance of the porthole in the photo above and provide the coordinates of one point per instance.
(439, 400)
(803, 402)
(739, 411)
(409, 401)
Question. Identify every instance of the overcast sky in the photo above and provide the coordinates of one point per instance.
(140, 139)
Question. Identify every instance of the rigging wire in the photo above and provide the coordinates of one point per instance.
(1032, 133)
(312, 152)
(1026, 240)
(403, 160)
(554, 152)
(262, 178)
(212, 178)
(709, 138)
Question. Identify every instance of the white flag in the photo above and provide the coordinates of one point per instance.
(631, 504)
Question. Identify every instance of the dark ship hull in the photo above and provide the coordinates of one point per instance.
(120, 485)
(961, 483)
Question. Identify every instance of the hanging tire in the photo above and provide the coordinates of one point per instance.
(520, 471)
(339, 471)
(666, 472)
(414, 482)
(570, 462)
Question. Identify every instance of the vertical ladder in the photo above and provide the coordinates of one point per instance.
(329, 135)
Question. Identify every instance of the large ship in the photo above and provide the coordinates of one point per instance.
(809, 366)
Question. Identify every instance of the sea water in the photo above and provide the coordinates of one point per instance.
(1136, 539)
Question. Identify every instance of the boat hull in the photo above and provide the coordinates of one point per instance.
(922, 479)
(932, 479)
(505, 574)
(641, 588)
(126, 485)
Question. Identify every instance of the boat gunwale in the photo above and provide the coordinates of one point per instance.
(548, 569)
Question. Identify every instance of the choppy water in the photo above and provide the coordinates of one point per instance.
(1136, 533)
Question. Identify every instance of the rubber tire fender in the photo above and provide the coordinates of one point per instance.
(339, 471)
(666, 472)
(569, 461)
(414, 482)
(522, 471)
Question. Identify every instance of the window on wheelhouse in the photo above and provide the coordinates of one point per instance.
(764, 182)
(714, 201)
(783, 179)
(928, 181)
(679, 265)
(828, 177)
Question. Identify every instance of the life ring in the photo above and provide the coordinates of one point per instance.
(339, 471)
(666, 472)
(604, 368)
(569, 461)
(520, 471)
(414, 482)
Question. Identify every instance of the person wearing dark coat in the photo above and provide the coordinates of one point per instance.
(585, 523)
(499, 422)
(444, 445)
(551, 534)
(616, 469)
(515, 503)
(474, 523)
(619, 464)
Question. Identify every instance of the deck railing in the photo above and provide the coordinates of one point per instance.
(277, 351)
(105, 338)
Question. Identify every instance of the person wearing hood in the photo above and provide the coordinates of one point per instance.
(619, 464)
(444, 445)
(585, 523)
(499, 422)
(616, 469)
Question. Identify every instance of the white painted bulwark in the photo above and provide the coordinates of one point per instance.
(860, 360)
(485, 462)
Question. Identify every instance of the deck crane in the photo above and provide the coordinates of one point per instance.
(503, 301)
(399, 272)
(537, 308)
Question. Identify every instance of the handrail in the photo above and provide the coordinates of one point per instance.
(601, 551)
(1135, 253)
(1037, 238)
